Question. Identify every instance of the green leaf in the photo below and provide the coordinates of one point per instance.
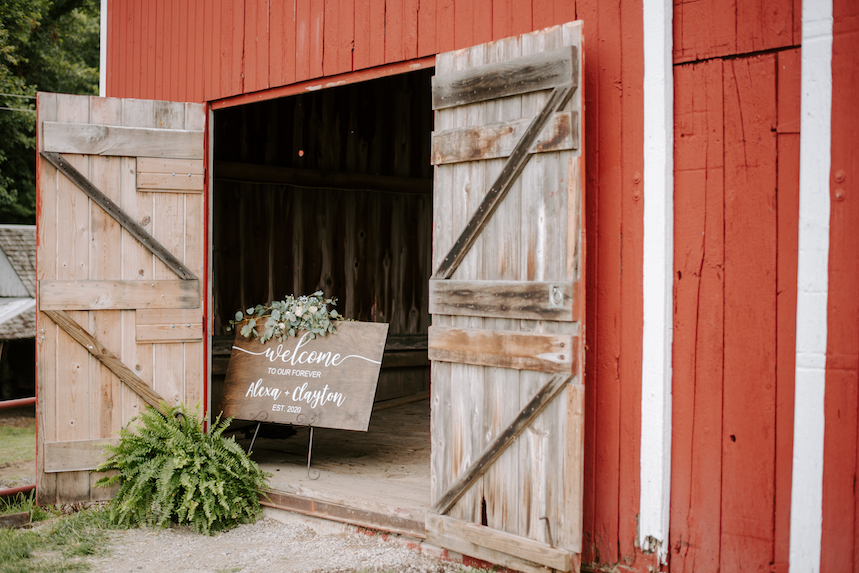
(239, 315)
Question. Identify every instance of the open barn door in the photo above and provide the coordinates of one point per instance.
(506, 298)
(120, 263)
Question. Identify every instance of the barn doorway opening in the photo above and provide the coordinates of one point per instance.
(332, 190)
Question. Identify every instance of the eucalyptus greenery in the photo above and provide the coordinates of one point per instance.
(287, 317)
(172, 471)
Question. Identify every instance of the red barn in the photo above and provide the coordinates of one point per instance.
(612, 242)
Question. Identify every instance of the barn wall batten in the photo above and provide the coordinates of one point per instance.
(735, 492)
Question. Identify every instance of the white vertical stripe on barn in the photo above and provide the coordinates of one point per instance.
(806, 506)
(102, 50)
(658, 277)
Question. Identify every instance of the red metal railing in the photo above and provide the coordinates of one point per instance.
(6, 404)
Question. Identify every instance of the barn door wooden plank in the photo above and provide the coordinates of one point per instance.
(535, 300)
(115, 211)
(89, 139)
(506, 235)
(506, 78)
(494, 140)
(119, 295)
(85, 393)
(501, 442)
(522, 351)
(105, 356)
(515, 163)
(472, 537)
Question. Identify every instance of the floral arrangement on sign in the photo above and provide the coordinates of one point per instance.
(286, 317)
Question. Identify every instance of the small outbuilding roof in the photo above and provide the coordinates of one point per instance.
(17, 281)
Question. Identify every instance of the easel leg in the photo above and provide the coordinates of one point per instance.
(314, 474)
(251, 447)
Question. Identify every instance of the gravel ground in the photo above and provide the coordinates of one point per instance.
(296, 544)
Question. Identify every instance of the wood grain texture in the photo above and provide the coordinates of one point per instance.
(500, 443)
(715, 28)
(88, 247)
(105, 356)
(169, 183)
(78, 455)
(518, 76)
(117, 140)
(839, 547)
(119, 295)
(128, 222)
(503, 299)
(540, 352)
(513, 545)
(490, 141)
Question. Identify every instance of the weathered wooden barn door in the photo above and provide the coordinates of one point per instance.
(506, 299)
(120, 261)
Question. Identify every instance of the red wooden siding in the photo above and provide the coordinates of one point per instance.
(712, 28)
(203, 50)
(840, 550)
(614, 147)
(736, 215)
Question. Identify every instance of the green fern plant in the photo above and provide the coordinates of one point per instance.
(172, 471)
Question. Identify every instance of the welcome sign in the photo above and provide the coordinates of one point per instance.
(326, 382)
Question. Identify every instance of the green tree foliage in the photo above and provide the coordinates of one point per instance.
(45, 45)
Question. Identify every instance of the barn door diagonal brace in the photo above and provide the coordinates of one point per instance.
(512, 168)
(497, 447)
(106, 357)
(128, 223)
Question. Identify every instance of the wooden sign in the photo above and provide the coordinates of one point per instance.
(325, 382)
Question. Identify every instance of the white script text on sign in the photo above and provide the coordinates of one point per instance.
(327, 381)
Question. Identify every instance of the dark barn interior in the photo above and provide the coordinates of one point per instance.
(331, 190)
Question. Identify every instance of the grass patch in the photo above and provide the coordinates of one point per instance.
(26, 502)
(58, 546)
(18, 444)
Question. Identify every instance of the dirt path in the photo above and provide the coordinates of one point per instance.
(295, 544)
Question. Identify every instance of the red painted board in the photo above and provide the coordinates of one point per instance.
(331, 57)
(113, 47)
(840, 514)
(463, 22)
(699, 259)
(427, 28)
(502, 19)
(362, 35)
(256, 49)
(179, 57)
(522, 17)
(749, 396)
(162, 37)
(789, 95)
(199, 53)
(543, 13)
(147, 60)
(211, 49)
(346, 36)
(482, 18)
(445, 25)
(302, 40)
(393, 31)
(631, 30)
(276, 60)
(410, 29)
(711, 28)
(137, 39)
(226, 43)
(237, 57)
(378, 33)
(317, 29)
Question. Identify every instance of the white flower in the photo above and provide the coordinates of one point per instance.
(299, 311)
(281, 325)
(312, 309)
